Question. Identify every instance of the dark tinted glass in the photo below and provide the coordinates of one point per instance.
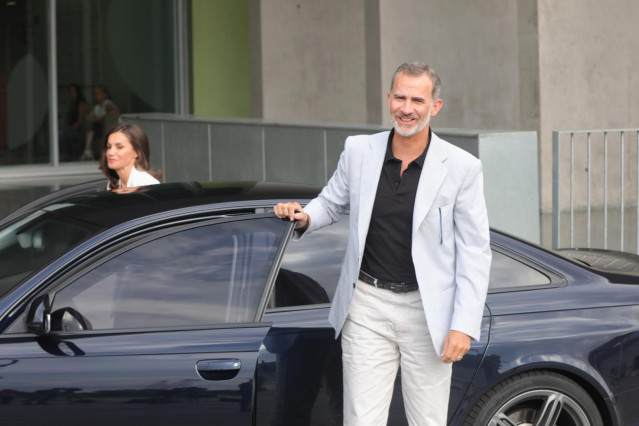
(30, 242)
(206, 275)
(24, 83)
(97, 43)
(506, 272)
(311, 267)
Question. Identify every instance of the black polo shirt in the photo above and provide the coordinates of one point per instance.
(387, 254)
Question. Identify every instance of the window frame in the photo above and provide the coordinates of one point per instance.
(135, 238)
(344, 219)
(556, 279)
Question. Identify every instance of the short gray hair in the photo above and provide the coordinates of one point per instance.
(417, 69)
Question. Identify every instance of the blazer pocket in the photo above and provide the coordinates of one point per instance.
(440, 221)
(442, 211)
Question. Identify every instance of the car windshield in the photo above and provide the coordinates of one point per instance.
(33, 240)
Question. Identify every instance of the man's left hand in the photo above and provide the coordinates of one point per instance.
(455, 346)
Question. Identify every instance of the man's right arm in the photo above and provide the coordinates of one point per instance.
(293, 211)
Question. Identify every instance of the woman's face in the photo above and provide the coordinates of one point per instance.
(99, 95)
(120, 154)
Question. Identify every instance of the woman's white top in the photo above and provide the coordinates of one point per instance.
(137, 178)
(100, 110)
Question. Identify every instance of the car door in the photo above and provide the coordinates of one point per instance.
(163, 329)
(300, 371)
(299, 378)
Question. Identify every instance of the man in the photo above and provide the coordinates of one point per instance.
(415, 274)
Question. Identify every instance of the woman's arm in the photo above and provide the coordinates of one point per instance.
(80, 118)
(110, 110)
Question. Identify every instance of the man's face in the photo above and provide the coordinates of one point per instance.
(411, 104)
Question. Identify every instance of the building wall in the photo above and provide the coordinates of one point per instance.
(332, 61)
(313, 60)
(241, 149)
(335, 59)
(589, 79)
(474, 48)
(538, 65)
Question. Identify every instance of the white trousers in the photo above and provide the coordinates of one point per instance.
(383, 331)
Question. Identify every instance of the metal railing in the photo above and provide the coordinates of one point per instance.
(600, 140)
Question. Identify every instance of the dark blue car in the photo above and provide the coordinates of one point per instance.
(189, 304)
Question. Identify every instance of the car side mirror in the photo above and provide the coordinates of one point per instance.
(39, 315)
(68, 319)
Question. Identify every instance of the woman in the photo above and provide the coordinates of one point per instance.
(125, 157)
(103, 110)
(70, 140)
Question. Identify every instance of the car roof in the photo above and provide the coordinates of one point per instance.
(108, 208)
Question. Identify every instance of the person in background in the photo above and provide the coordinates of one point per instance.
(70, 140)
(415, 275)
(125, 157)
(104, 111)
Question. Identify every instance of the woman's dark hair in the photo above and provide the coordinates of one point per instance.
(74, 106)
(140, 143)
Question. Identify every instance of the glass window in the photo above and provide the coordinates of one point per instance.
(30, 242)
(311, 267)
(24, 86)
(206, 275)
(113, 57)
(506, 272)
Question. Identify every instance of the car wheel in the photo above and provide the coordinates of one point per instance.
(535, 398)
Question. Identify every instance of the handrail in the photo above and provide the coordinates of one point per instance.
(560, 163)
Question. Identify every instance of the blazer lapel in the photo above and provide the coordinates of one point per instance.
(430, 180)
(371, 168)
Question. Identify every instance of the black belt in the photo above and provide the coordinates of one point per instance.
(387, 285)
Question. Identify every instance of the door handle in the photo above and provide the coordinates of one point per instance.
(218, 369)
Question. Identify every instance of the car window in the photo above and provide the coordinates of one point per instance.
(30, 242)
(311, 267)
(200, 276)
(507, 272)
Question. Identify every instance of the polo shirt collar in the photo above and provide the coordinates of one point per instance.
(419, 161)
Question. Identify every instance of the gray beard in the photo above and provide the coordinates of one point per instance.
(412, 132)
(417, 129)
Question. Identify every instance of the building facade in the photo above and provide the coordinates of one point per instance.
(531, 65)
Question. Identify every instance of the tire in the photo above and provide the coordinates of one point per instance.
(536, 398)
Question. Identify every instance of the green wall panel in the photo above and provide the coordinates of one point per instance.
(221, 73)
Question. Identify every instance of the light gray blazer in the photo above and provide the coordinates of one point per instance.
(451, 241)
